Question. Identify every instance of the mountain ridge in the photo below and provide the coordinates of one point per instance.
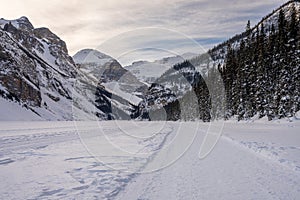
(38, 73)
(259, 68)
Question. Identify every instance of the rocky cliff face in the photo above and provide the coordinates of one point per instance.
(37, 72)
(18, 74)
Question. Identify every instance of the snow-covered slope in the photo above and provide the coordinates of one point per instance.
(114, 87)
(243, 69)
(219, 52)
(12, 111)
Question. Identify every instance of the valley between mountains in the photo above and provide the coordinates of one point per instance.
(223, 124)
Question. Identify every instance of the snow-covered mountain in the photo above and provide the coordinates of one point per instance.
(36, 70)
(91, 56)
(218, 53)
(109, 73)
(258, 71)
(98, 66)
(148, 72)
(39, 76)
(156, 97)
(37, 73)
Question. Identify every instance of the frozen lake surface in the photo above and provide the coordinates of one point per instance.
(148, 160)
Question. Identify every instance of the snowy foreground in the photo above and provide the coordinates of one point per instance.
(142, 160)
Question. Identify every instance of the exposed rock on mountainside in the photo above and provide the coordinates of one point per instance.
(109, 73)
(156, 98)
(37, 72)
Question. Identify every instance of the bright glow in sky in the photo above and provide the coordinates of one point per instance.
(89, 23)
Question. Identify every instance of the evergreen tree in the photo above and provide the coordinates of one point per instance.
(271, 74)
(293, 61)
(261, 82)
(228, 77)
(261, 71)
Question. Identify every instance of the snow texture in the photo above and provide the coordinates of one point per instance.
(56, 160)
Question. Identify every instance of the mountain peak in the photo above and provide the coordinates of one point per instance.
(90, 56)
(20, 23)
(23, 18)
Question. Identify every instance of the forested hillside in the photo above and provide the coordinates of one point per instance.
(260, 69)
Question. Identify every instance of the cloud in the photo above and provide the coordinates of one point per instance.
(89, 23)
(149, 43)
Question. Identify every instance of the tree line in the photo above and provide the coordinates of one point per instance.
(260, 72)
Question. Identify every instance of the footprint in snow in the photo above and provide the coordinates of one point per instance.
(6, 161)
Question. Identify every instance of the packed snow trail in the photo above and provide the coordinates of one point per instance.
(231, 171)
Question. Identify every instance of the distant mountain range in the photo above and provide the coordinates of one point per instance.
(149, 72)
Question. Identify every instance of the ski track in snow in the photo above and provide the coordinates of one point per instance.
(48, 160)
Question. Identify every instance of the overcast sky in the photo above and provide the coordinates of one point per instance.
(89, 23)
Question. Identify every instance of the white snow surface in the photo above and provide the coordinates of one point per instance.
(114, 88)
(73, 160)
(12, 111)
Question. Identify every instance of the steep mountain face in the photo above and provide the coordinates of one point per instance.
(98, 65)
(259, 68)
(109, 73)
(149, 72)
(37, 73)
(36, 70)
